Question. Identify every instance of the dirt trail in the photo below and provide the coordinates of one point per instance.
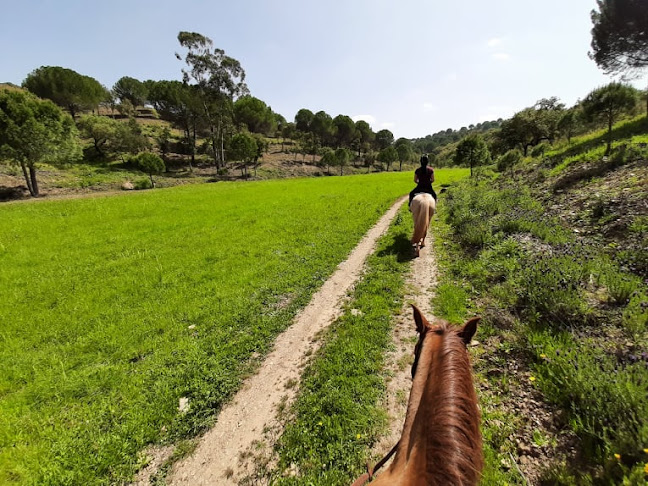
(420, 289)
(218, 456)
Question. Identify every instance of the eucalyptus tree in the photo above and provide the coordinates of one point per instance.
(34, 131)
(66, 88)
(219, 79)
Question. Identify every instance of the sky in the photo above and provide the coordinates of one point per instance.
(414, 67)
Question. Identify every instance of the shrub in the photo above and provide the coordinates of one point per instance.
(142, 183)
(620, 286)
(149, 163)
(539, 150)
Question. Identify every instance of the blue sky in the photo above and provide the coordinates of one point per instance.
(412, 66)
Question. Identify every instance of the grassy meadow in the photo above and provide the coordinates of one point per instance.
(114, 308)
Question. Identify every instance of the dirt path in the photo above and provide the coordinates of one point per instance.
(420, 289)
(219, 456)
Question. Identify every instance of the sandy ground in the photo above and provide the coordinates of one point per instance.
(220, 455)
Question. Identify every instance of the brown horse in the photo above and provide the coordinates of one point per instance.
(423, 207)
(441, 442)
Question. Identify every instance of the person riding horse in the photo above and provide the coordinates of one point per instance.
(424, 177)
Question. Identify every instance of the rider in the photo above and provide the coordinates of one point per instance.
(424, 177)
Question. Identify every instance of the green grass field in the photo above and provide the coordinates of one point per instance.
(113, 308)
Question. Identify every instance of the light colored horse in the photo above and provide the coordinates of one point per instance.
(441, 442)
(423, 207)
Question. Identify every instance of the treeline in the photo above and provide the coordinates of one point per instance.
(532, 130)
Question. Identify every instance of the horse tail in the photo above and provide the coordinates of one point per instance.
(423, 208)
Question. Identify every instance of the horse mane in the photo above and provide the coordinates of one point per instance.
(449, 413)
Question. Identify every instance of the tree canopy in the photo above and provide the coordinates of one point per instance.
(620, 35)
(473, 151)
(34, 131)
(131, 89)
(66, 88)
(255, 115)
(608, 102)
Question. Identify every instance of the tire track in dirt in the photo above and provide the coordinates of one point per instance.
(419, 291)
(219, 456)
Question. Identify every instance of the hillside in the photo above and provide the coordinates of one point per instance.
(554, 254)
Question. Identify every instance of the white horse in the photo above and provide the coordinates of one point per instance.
(423, 207)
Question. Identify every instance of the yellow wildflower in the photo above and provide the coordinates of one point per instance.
(617, 457)
(319, 423)
(543, 356)
(358, 436)
(646, 468)
(532, 378)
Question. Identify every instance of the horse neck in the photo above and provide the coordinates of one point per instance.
(442, 422)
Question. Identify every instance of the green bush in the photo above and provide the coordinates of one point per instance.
(539, 150)
(620, 285)
(508, 160)
(143, 183)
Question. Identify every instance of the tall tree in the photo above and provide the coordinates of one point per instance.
(34, 131)
(473, 151)
(388, 156)
(344, 130)
(303, 120)
(404, 149)
(620, 36)
(219, 79)
(180, 104)
(322, 127)
(608, 103)
(384, 138)
(243, 148)
(365, 136)
(255, 115)
(131, 89)
(342, 156)
(66, 88)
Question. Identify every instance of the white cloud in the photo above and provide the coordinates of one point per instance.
(494, 42)
(370, 119)
(501, 56)
(428, 107)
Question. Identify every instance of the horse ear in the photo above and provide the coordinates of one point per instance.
(419, 319)
(469, 330)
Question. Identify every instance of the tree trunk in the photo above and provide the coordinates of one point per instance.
(27, 180)
(34, 182)
(609, 143)
(193, 145)
(152, 181)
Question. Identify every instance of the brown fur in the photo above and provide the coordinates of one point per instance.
(441, 441)
(423, 207)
